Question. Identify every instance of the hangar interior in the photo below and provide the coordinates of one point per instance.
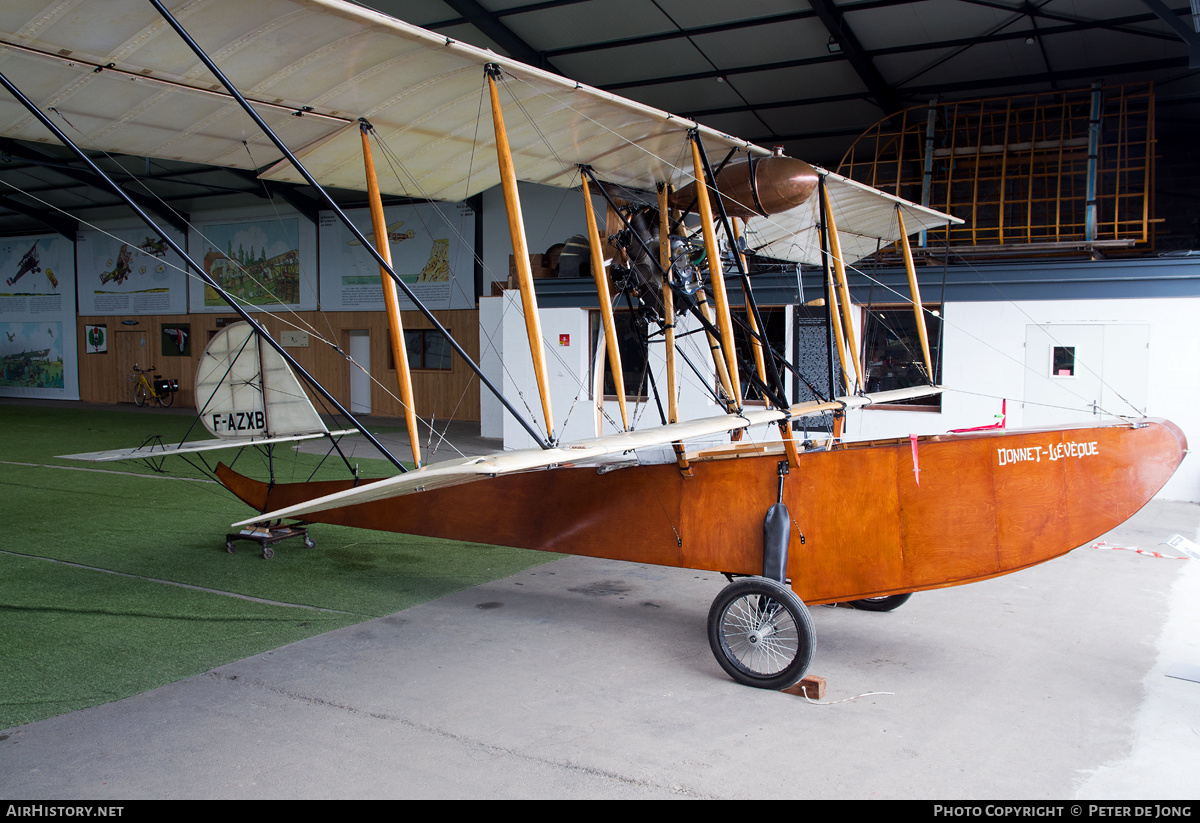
(1059, 132)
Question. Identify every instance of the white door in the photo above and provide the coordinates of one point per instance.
(358, 346)
(1079, 372)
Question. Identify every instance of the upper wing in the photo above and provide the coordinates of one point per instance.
(124, 81)
(128, 83)
(865, 217)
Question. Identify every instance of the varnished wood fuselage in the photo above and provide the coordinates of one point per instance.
(988, 503)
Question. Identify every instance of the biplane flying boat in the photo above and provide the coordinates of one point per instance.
(320, 78)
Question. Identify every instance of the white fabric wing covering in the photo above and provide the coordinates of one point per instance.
(192, 447)
(334, 62)
(865, 219)
(591, 451)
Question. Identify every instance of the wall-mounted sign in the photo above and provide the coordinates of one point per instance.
(261, 258)
(294, 339)
(95, 339)
(432, 248)
(38, 349)
(129, 271)
(177, 340)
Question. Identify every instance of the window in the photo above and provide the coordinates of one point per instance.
(428, 350)
(634, 361)
(1064, 361)
(775, 321)
(892, 352)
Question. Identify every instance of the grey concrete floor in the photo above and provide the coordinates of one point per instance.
(589, 678)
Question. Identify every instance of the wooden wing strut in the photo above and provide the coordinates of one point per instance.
(516, 229)
(606, 312)
(391, 302)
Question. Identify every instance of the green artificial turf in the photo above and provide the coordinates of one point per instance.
(88, 612)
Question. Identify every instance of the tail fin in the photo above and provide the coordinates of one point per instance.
(245, 389)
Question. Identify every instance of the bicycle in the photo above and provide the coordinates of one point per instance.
(161, 390)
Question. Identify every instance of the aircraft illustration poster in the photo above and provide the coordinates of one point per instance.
(32, 362)
(432, 249)
(264, 259)
(129, 271)
(38, 356)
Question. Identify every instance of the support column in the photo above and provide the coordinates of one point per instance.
(839, 270)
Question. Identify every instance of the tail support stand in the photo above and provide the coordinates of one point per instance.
(777, 534)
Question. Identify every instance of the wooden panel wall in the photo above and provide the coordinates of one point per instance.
(104, 378)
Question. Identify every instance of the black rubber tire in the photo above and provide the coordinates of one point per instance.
(268, 553)
(230, 547)
(166, 398)
(309, 543)
(761, 633)
(881, 604)
(139, 394)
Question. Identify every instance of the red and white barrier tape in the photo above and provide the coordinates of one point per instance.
(1102, 545)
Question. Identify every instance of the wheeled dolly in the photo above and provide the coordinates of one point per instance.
(267, 536)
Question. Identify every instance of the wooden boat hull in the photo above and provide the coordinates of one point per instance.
(987, 503)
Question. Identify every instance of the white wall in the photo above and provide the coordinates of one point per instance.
(983, 362)
(502, 323)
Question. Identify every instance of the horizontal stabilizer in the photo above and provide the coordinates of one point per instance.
(593, 450)
(160, 450)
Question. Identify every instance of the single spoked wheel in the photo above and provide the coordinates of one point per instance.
(761, 633)
(881, 604)
(140, 395)
(166, 398)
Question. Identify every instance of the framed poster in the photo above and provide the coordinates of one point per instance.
(263, 258)
(129, 270)
(38, 356)
(95, 339)
(433, 251)
(177, 340)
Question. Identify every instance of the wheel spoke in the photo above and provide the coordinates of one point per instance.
(761, 633)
